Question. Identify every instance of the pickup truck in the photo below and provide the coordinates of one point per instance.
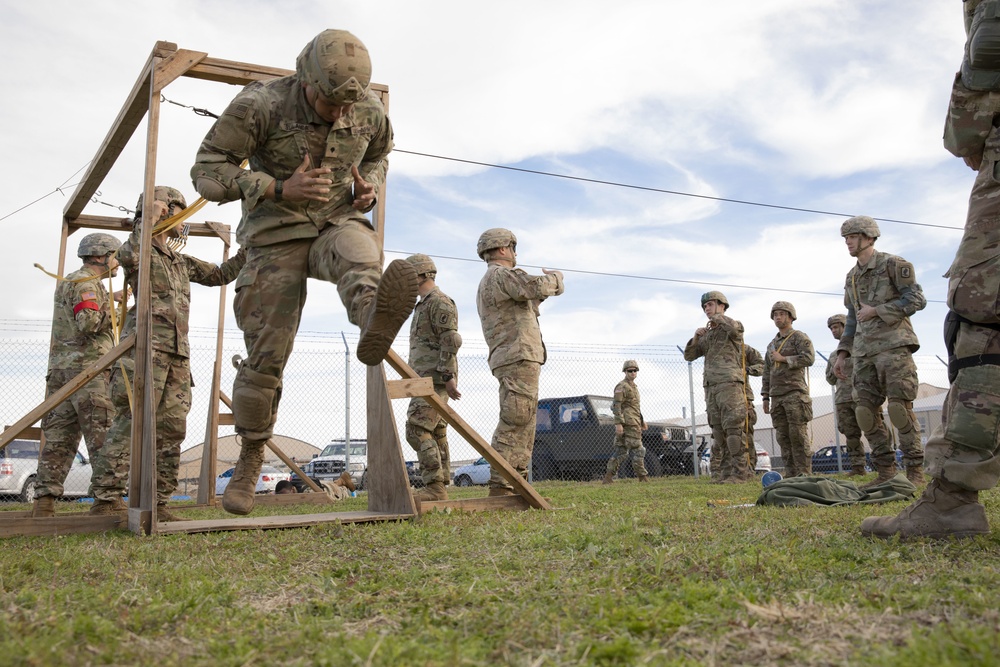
(574, 438)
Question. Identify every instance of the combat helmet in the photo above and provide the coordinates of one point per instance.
(836, 319)
(860, 224)
(785, 306)
(631, 363)
(97, 245)
(498, 237)
(164, 194)
(337, 65)
(714, 296)
(422, 264)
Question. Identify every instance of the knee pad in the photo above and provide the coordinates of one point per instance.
(899, 414)
(866, 416)
(415, 435)
(254, 396)
(358, 245)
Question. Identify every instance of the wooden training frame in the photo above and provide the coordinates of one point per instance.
(389, 496)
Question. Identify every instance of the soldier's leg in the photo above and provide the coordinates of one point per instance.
(270, 294)
(847, 424)
(421, 420)
(61, 427)
(798, 410)
(721, 462)
(444, 450)
(110, 458)
(515, 433)
(733, 408)
(347, 253)
(900, 381)
(779, 420)
(619, 454)
(868, 400)
(633, 440)
(749, 444)
(171, 420)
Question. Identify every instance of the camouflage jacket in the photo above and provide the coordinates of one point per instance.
(273, 126)
(754, 366)
(434, 339)
(889, 284)
(969, 124)
(171, 275)
(81, 321)
(722, 348)
(785, 377)
(507, 301)
(626, 404)
(843, 393)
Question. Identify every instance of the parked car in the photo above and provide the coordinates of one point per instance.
(824, 460)
(331, 462)
(268, 479)
(763, 461)
(19, 469)
(473, 474)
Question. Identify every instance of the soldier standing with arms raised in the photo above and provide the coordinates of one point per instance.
(785, 389)
(317, 144)
(507, 301)
(721, 343)
(963, 454)
(81, 334)
(434, 343)
(881, 293)
(843, 398)
(629, 426)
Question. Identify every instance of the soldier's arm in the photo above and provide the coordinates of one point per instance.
(694, 349)
(521, 286)
(616, 405)
(911, 295)
(235, 137)
(831, 377)
(375, 163)
(87, 312)
(444, 324)
(207, 273)
(754, 361)
(732, 328)
(850, 328)
(805, 354)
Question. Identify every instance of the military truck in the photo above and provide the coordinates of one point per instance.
(574, 438)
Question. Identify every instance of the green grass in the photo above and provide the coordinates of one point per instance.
(626, 574)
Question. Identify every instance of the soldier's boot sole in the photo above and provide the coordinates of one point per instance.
(43, 508)
(238, 498)
(938, 513)
(394, 301)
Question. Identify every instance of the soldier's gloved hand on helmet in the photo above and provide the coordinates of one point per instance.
(305, 184)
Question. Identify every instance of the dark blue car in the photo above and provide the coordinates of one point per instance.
(824, 461)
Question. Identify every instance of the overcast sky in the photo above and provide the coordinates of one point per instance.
(831, 106)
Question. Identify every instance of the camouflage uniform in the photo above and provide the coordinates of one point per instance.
(882, 349)
(507, 301)
(847, 421)
(725, 391)
(754, 366)
(629, 443)
(81, 334)
(272, 124)
(171, 274)
(434, 342)
(786, 386)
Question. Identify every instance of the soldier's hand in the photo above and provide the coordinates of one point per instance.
(553, 272)
(767, 406)
(866, 313)
(619, 429)
(838, 367)
(451, 386)
(777, 357)
(364, 192)
(305, 184)
(700, 331)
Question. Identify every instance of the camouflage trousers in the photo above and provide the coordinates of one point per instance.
(727, 415)
(629, 445)
(790, 415)
(514, 437)
(172, 398)
(270, 296)
(427, 434)
(749, 446)
(965, 448)
(889, 375)
(87, 412)
(847, 424)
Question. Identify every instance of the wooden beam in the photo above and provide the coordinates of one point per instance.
(387, 483)
(475, 504)
(278, 521)
(175, 66)
(113, 224)
(499, 463)
(30, 433)
(69, 524)
(410, 387)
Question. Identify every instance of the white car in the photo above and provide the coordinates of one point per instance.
(19, 468)
(763, 461)
(269, 478)
(474, 473)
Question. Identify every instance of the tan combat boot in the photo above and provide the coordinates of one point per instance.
(43, 508)
(643, 478)
(163, 514)
(433, 491)
(345, 481)
(238, 497)
(609, 478)
(394, 301)
(856, 471)
(915, 474)
(108, 507)
(500, 491)
(944, 510)
(886, 471)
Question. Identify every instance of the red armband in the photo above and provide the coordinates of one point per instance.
(83, 305)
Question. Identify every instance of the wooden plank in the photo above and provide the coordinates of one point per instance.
(116, 224)
(387, 482)
(59, 525)
(521, 487)
(68, 390)
(175, 66)
(272, 522)
(226, 419)
(30, 433)
(475, 504)
(410, 387)
(280, 499)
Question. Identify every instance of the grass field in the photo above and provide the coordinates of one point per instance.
(626, 574)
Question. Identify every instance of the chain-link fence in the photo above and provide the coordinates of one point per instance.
(324, 395)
